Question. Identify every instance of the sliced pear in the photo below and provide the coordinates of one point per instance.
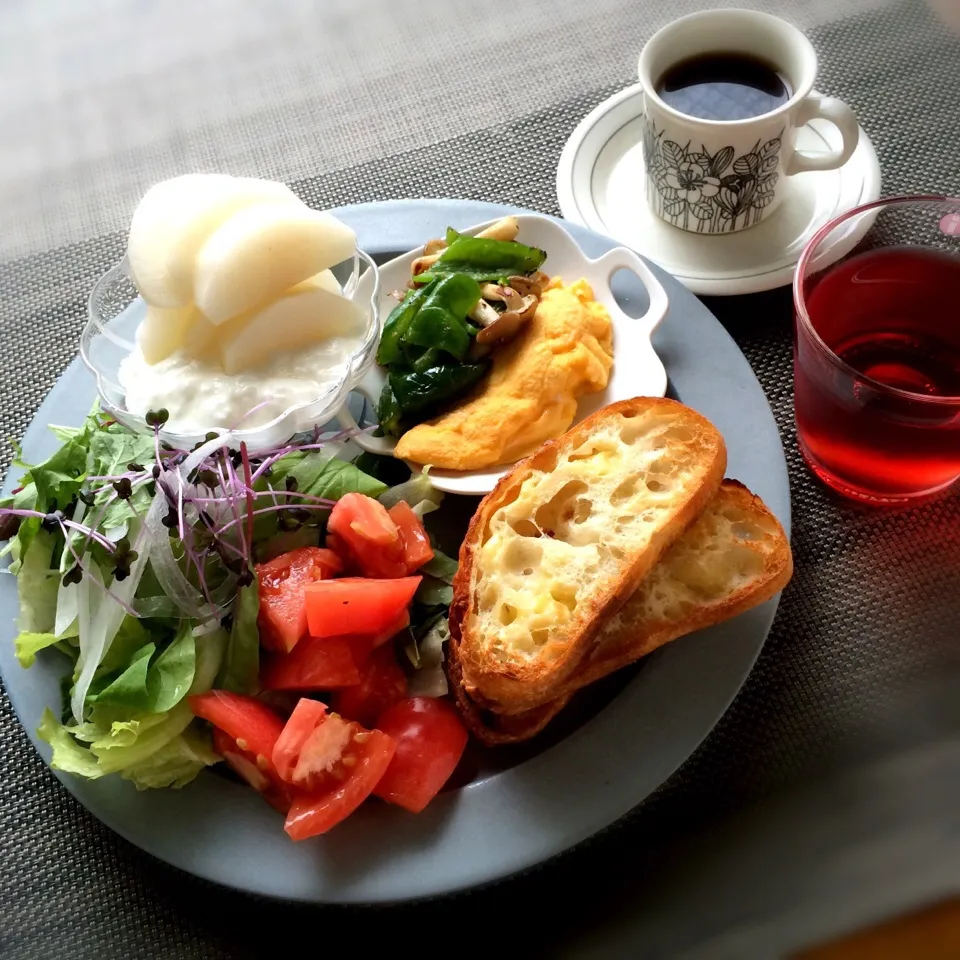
(202, 340)
(262, 251)
(175, 218)
(326, 280)
(163, 331)
(304, 316)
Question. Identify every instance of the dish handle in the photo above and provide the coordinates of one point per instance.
(620, 258)
(369, 388)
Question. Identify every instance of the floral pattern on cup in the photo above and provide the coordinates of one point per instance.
(709, 193)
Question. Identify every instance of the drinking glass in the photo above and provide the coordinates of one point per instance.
(877, 350)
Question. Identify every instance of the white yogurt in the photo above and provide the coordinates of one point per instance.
(200, 396)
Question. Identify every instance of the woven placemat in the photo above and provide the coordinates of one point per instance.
(863, 660)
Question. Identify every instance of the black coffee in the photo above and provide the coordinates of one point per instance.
(723, 86)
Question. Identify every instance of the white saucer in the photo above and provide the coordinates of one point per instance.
(600, 185)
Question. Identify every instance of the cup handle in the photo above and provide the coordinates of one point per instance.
(843, 118)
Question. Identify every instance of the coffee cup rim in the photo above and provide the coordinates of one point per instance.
(801, 90)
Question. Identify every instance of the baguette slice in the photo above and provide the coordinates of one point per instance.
(567, 536)
(735, 557)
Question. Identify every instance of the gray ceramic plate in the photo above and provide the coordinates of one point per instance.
(502, 822)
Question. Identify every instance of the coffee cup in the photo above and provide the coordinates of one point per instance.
(725, 93)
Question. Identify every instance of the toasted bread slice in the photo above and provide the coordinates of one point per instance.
(495, 729)
(567, 536)
(733, 558)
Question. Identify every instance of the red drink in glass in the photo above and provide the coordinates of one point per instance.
(877, 352)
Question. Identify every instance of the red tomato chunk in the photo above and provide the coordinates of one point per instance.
(282, 619)
(376, 542)
(353, 605)
(430, 739)
(333, 764)
(416, 544)
(314, 664)
(246, 732)
(381, 684)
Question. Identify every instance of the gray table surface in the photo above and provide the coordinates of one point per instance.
(829, 795)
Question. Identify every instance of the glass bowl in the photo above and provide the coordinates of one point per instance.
(115, 311)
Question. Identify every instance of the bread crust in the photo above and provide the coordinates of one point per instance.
(515, 687)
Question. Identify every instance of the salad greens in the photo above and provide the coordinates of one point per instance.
(135, 561)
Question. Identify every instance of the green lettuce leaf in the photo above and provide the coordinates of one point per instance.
(68, 755)
(153, 750)
(427, 655)
(59, 478)
(320, 475)
(153, 684)
(315, 474)
(416, 491)
(435, 589)
(210, 649)
(132, 634)
(434, 593)
(284, 542)
(37, 585)
(441, 567)
(171, 674)
(129, 690)
(241, 665)
(131, 742)
(113, 447)
(175, 764)
(29, 644)
(65, 434)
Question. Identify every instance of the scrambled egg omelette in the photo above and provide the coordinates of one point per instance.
(530, 395)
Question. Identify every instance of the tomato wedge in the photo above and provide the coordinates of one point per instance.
(333, 764)
(379, 563)
(363, 644)
(357, 518)
(430, 739)
(382, 684)
(282, 619)
(365, 535)
(353, 605)
(389, 632)
(265, 781)
(416, 543)
(314, 664)
(302, 722)
(254, 726)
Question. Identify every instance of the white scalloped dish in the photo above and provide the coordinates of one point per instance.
(637, 370)
(116, 310)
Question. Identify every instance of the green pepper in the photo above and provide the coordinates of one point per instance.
(389, 412)
(440, 323)
(429, 358)
(487, 261)
(397, 323)
(416, 391)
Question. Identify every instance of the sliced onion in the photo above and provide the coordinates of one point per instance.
(68, 606)
(188, 599)
(194, 459)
